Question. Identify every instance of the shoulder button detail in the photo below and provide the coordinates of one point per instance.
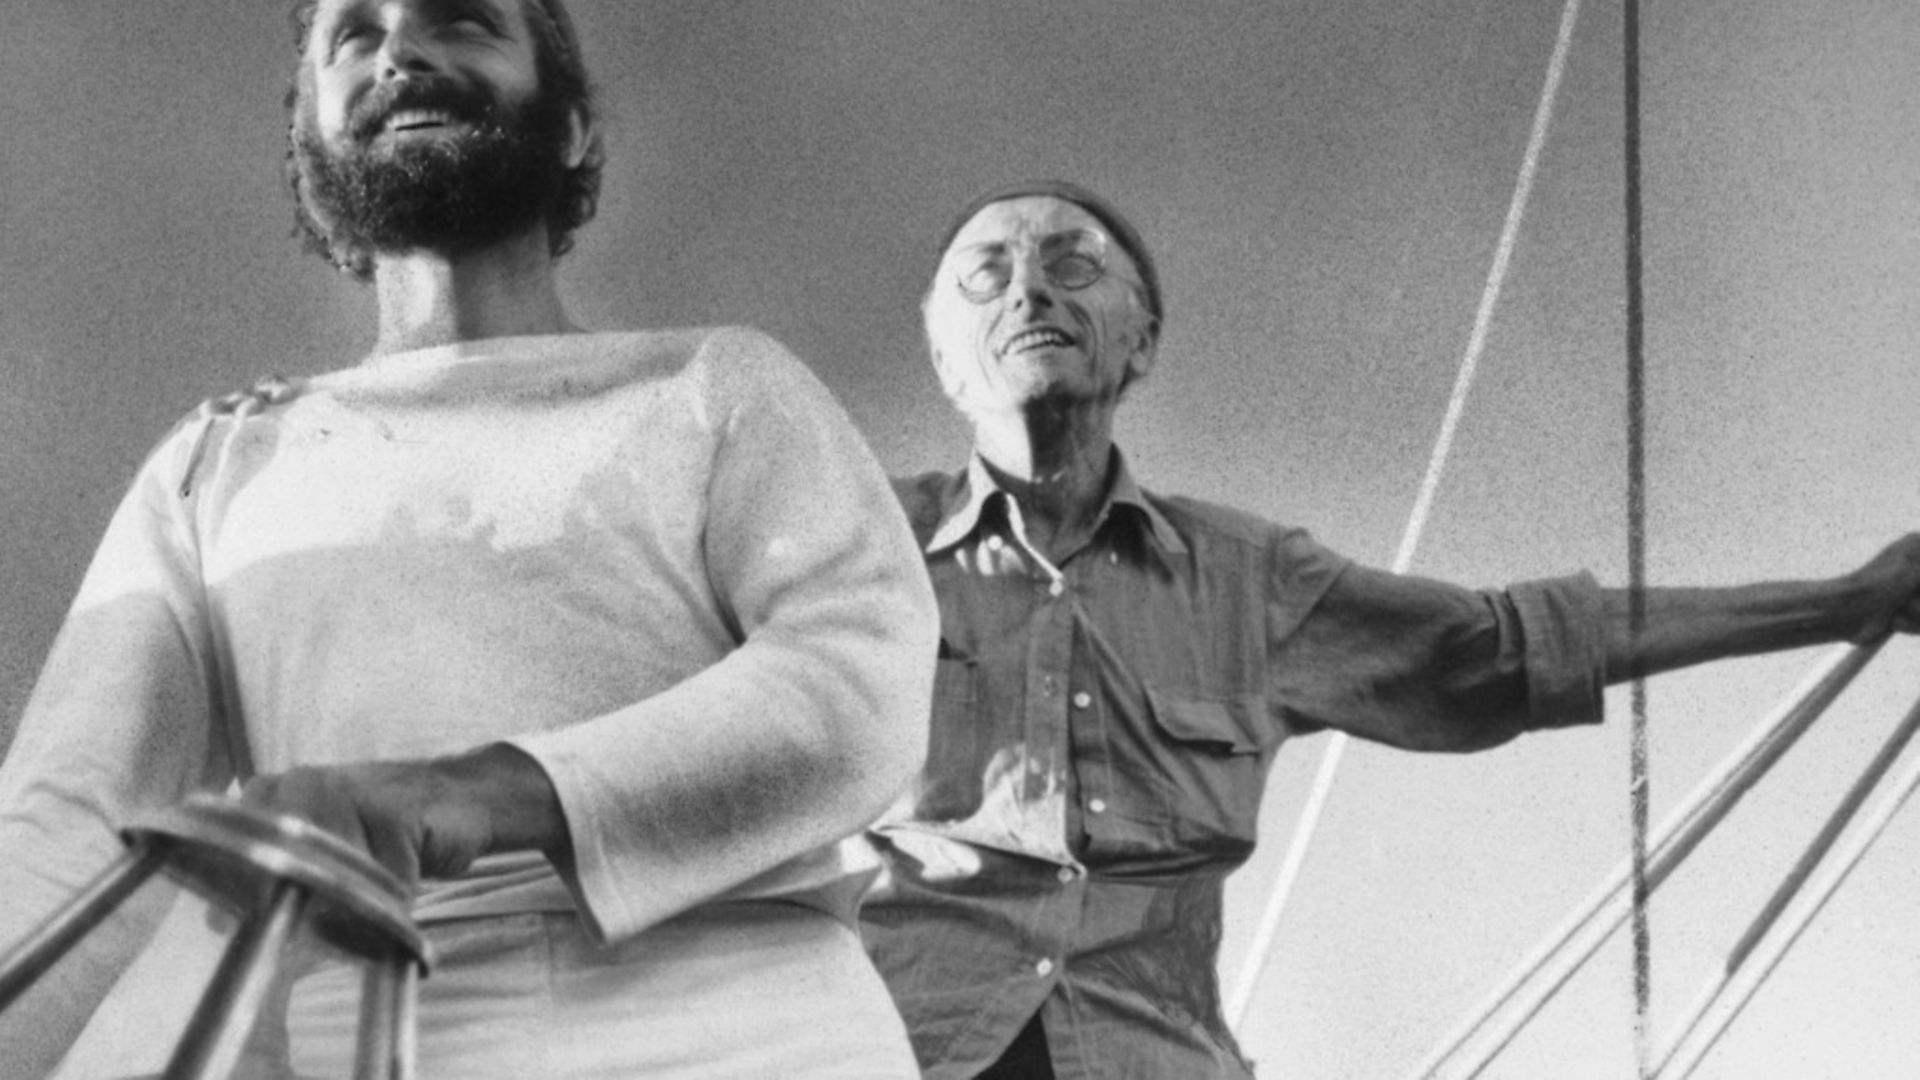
(272, 390)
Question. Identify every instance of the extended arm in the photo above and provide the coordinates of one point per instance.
(1685, 626)
(1426, 665)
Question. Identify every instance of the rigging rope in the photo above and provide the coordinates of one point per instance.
(1639, 781)
(1259, 953)
(1757, 955)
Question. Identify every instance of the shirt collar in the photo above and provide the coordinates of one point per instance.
(1126, 492)
(962, 506)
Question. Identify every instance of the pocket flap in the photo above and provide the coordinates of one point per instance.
(1218, 723)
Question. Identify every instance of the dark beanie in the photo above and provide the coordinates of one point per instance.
(1103, 211)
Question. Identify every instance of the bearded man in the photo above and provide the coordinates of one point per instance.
(607, 644)
(1118, 669)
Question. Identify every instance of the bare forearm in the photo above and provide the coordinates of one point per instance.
(1686, 626)
(1690, 626)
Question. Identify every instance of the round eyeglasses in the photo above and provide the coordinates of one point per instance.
(1070, 260)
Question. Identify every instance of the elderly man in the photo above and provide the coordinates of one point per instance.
(610, 643)
(1118, 668)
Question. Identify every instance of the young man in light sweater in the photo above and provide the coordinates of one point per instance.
(606, 643)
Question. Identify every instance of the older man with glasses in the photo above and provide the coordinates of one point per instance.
(1118, 668)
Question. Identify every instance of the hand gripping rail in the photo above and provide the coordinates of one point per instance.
(280, 874)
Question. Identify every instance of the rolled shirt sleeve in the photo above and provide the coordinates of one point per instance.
(1426, 665)
(1562, 633)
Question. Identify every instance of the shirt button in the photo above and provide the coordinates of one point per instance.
(1066, 875)
(1082, 699)
(994, 543)
(1044, 967)
(1098, 806)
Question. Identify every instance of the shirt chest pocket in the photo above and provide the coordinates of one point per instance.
(1201, 774)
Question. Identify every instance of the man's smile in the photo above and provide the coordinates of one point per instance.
(1040, 337)
(409, 120)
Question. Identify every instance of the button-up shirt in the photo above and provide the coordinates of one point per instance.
(1102, 731)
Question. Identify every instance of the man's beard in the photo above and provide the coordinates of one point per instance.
(455, 193)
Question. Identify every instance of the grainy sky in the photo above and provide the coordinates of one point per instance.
(1324, 184)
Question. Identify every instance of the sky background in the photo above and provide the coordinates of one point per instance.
(1323, 182)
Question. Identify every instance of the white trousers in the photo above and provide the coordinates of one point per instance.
(738, 990)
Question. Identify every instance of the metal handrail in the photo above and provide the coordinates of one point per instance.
(1500, 1016)
(1753, 958)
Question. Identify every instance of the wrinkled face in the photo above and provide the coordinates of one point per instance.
(1035, 302)
(422, 123)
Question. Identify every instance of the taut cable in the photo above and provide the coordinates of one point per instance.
(1262, 947)
(1753, 958)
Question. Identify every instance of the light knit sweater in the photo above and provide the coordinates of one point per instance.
(663, 564)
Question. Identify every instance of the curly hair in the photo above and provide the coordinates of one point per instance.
(561, 72)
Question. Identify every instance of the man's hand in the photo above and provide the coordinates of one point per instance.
(425, 819)
(1886, 591)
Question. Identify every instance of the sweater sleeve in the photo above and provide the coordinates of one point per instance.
(120, 721)
(805, 731)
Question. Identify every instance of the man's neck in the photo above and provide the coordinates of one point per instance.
(427, 298)
(1054, 462)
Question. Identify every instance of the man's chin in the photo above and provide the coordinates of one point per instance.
(1048, 373)
(434, 183)
(415, 199)
(1033, 397)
